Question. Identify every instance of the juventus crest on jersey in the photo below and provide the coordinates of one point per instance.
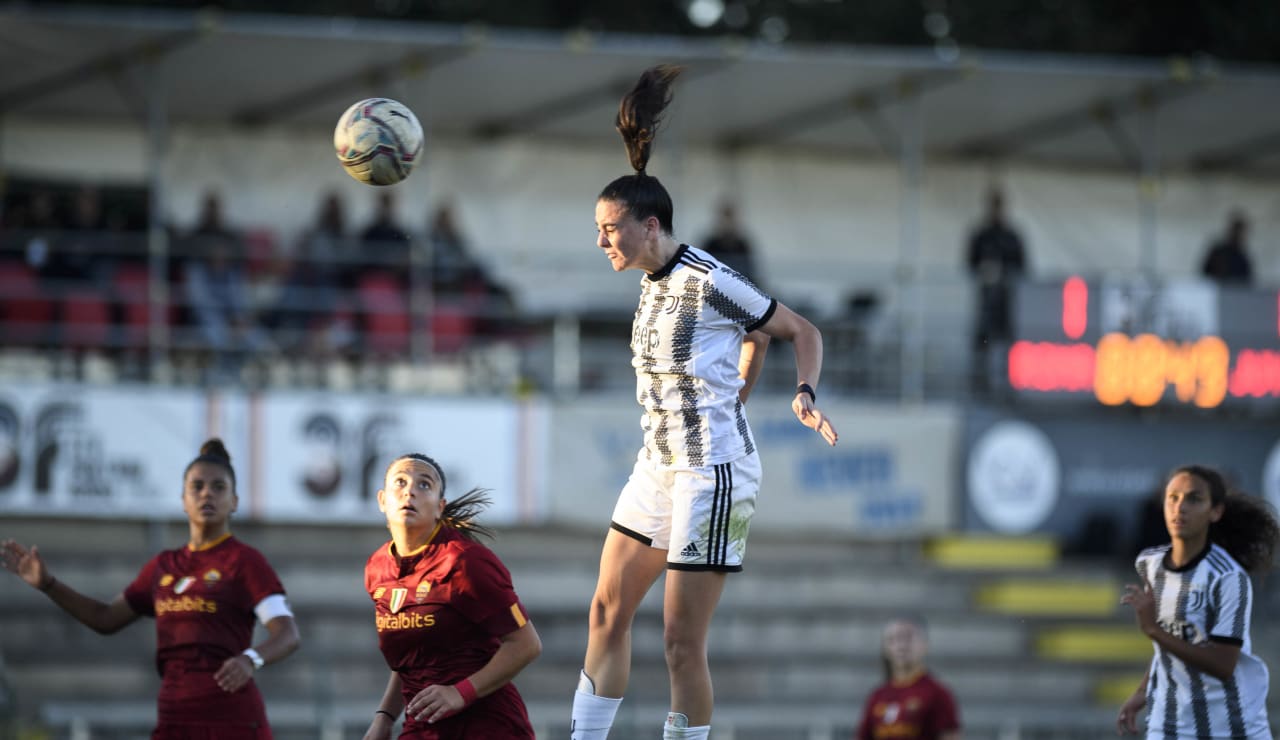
(1208, 599)
(685, 342)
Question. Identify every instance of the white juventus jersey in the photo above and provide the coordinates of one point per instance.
(1208, 599)
(686, 341)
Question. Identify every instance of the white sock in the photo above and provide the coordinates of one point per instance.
(592, 715)
(677, 728)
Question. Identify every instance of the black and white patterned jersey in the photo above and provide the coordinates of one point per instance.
(1208, 599)
(686, 341)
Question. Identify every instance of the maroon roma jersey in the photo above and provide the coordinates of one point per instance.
(439, 612)
(921, 709)
(203, 602)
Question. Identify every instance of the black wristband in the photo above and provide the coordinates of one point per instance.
(47, 585)
(806, 388)
(389, 714)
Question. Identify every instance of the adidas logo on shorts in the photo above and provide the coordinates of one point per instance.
(690, 551)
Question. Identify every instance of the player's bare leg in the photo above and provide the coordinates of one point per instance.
(690, 601)
(628, 569)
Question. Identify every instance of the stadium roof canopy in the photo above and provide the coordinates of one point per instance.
(470, 81)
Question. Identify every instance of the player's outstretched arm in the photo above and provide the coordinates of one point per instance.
(103, 618)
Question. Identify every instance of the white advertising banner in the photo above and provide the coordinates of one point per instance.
(322, 455)
(892, 473)
(84, 451)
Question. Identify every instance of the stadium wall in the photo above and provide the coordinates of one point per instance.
(319, 457)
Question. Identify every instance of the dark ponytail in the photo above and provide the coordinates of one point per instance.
(1248, 530)
(638, 119)
(459, 513)
(213, 452)
(640, 113)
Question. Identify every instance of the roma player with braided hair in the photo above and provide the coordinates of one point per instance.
(698, 342)
(1195, 603)
(450, 625)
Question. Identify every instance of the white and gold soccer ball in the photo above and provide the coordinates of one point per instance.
(378, 141)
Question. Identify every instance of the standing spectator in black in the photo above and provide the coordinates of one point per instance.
(460, 279)
(386, 244)
(217, 292)
(314, 298)
(730, 245)
(452, 266)
(1227, 260)
(997, 260)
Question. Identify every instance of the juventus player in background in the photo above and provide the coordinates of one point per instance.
(449, 623)
(698, 342)
(1195, 604)
(204, 598)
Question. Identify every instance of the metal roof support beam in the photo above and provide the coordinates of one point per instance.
(113, 63)
(414, 64)
(573, 103)
(1238, 155)
(1103, 112)
(865, 103)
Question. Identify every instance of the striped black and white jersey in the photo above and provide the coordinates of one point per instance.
(686, 340)
(1208, 599)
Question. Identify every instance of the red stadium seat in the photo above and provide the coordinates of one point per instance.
(452, 327)
(385, 307)
(132, 292)
(26, 315)
(86, 319)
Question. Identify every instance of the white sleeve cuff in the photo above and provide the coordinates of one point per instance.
(275, 605)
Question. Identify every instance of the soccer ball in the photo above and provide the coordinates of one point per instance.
(378, 141)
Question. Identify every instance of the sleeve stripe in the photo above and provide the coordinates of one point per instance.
(515, 612)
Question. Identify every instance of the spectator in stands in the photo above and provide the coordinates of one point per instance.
(1195, 603)
(40, 225)
(997, 260)
(1227, 260)
(217, 293)
(204, 597)
(911, 704)
(83, 251)
(460, 281)
(451, 264)
(701, 330)
(730, 245)
(449, 622)
(386, 245)
(313, 309)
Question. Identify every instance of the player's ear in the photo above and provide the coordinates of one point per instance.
(1216, 512)
(382, 500)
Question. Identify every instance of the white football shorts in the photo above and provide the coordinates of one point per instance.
(700, 516)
